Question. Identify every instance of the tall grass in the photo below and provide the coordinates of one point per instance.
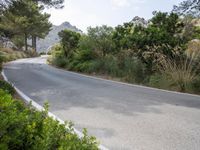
(10, 54)
(181, 72)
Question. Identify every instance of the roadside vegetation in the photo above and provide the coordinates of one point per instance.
(164, 54)
(23, 127)
(8, 54)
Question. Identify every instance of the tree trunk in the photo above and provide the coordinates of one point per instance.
(25, 42)
(34, 44)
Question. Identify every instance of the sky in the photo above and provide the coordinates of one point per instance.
(85, 13)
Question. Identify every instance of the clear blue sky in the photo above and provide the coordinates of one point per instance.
(84, 13)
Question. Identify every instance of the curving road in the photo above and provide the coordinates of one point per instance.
(122, 117)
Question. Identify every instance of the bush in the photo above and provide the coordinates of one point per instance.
(84, 55)
(60, 62)
(7, 87)
(25, 128)
(86, 66)
(134, 70)
(83, 61)
(109, 65)
(58, 58)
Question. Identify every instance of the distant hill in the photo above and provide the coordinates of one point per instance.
(52, 38)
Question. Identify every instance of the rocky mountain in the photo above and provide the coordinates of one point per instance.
(52, 38)
(139, 21)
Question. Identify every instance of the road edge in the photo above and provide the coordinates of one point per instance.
(40, 108)
(113, 81)
(124, 83)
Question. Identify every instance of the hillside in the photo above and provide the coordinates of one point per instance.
(52, 37)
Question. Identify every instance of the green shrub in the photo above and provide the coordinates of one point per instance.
(58, 58)
(7, 87)
(110, 65)
(84, 55)
(25, 128)
(60, 61)
(134, 70)
(82, 61)
(86, 66)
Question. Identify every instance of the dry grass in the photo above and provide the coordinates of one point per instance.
(10, 54)
(182, 72)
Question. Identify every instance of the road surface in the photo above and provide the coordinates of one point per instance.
(122, 117)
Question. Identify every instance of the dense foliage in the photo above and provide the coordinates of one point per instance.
(22, 127)
(154, 55)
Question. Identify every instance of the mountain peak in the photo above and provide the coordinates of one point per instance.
(52, 38)
(139, 21)
(65, 24)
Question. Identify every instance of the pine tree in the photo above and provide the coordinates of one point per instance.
(40, 27)
(28, 21)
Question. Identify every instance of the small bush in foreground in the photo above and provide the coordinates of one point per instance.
(25, 128)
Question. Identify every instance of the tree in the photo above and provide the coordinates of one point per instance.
(4, 4)
(48, 3)
(188, 7)
(161, 38)
(121, 35)
(69, 41)
(40, 25)
(51, 3)
(14, 23)
(27, 21)
(102, 39)
(40, 28)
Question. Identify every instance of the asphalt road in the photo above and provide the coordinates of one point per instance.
(122, 117)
